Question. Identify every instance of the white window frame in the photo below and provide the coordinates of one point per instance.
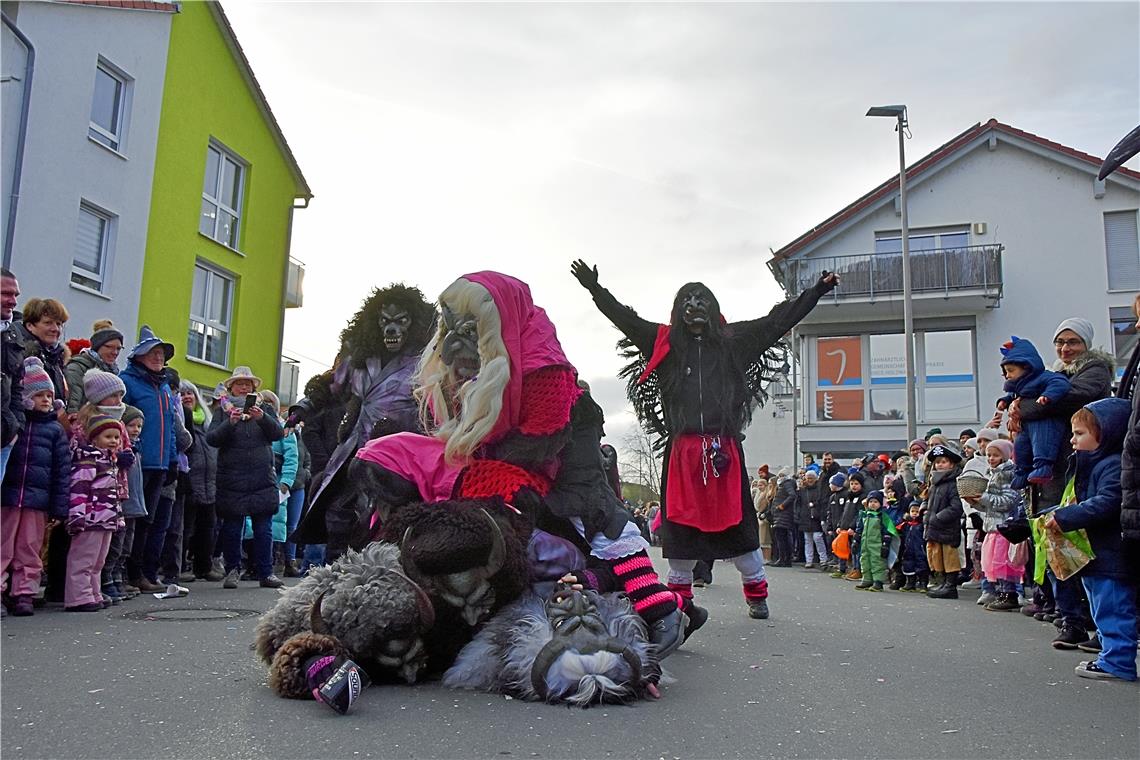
(209, 324)
(106, 246)
(1114, 283)
(99, 134)
(866, 386)
(225, 154)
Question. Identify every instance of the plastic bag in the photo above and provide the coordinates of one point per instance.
(1066, 552)
(840, 546)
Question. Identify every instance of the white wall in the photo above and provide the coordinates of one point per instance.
(13, 65)
(1046, 215)
(61, 165)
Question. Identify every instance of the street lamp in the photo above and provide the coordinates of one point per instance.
(899, 112)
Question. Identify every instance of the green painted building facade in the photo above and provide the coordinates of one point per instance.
(216, 279)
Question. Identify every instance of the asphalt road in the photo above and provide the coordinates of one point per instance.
(834, 673)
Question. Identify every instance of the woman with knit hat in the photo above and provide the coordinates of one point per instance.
(1090, 373)
(102, 354)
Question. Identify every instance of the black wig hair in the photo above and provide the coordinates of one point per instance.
(363, 338)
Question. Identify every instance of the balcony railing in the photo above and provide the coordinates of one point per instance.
(294, 285)
(869, 276)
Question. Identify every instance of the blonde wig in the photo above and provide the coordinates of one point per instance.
(479, 401)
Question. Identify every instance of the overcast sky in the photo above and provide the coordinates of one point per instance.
(663, 142)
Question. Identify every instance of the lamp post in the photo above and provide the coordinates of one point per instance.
(899, 112)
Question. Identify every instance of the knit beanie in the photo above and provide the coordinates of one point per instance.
(972, 444)
(1082, 327)
(877, 496)
(98, 423)
(968, 432)
(36, 380)
(132, 413)
(932, 431)
(1004, 446)
(102, 332)
(99, 385)
(987, 434)
(837, 480)
(920, 442)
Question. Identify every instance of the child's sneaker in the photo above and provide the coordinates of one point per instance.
(865, 585)
(876, 586)
(1004, 603)
(853, 575)
(1069, 637)
(837, 574)
(1092, 646)
(986, 598)
(1095, 671)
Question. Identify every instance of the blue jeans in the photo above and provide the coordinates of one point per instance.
(292, 516)
(1113, 605)
(4, 454)
(262, 543)
(155, 539)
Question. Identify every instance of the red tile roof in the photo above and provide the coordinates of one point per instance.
(133, 5)
(927, 162)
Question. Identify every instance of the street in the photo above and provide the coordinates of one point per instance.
(834, 673)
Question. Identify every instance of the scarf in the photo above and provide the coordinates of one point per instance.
(115, 411)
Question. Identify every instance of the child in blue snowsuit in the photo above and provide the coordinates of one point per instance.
(1098, 440)
(913, 551)
(1038, 445)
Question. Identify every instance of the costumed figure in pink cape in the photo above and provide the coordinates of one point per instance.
(695, 383)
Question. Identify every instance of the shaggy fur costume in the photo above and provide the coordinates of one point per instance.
(500, 657)
(368, 606)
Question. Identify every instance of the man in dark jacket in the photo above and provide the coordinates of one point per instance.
(12, 364)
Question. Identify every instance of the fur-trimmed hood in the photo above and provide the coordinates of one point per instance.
(1092, 356)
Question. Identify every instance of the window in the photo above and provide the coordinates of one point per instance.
(221, 196)
(1124, 336)
(211, 306)
(92, 247)
(109, 105)
(1122, 250)
(861, 378)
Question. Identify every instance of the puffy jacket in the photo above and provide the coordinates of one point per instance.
(134, 505)
(1097, 484)
(811, 506)
(999, 498)
(96, 489)
(152, 395)
(783, 505)
(38, 475)
(75, 370)
(246, 480)
(12, 364)
(851, 508)
(943, 518)
(203, 467)
(1036, 381)
(286, 460)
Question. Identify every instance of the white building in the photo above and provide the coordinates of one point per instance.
(88, 159)
(1010, 234)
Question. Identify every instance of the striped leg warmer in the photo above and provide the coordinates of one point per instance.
(650, 598)
(754, 591)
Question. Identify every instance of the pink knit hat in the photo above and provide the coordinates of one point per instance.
(36, 380)
(1002, 445)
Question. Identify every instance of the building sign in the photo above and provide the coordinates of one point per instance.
(839, 406)
(839, 361)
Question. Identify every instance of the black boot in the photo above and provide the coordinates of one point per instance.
(910, 583)
(897, 581)
(948, 589)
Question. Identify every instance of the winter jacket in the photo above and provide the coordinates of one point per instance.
(134, 505)
(1130, 456)
(96, 490)
(152, 395)
(319, 435)
(12, 366)
(913, 549)
(51, 356)
(836, 504)
(38, 475)
(999, 498)
(304, 464)
(285, 460)
(811, 508)
(1036, 381)
(865, 528)
(75, 370)
(943, 518)
(783, 505)
(853, 502)
(203, 467)
(246, 480)
(1097, 490)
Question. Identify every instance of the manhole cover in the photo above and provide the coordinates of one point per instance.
(180, 615)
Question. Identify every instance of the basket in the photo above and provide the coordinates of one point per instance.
(971, 487)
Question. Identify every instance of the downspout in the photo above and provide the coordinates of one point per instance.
(18, 165)
(285, 288)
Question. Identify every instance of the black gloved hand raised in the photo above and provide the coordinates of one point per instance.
(585, 274)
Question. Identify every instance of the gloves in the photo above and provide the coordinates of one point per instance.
(885, 551)
(976, 520)
(125, 458)
(171, 474)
